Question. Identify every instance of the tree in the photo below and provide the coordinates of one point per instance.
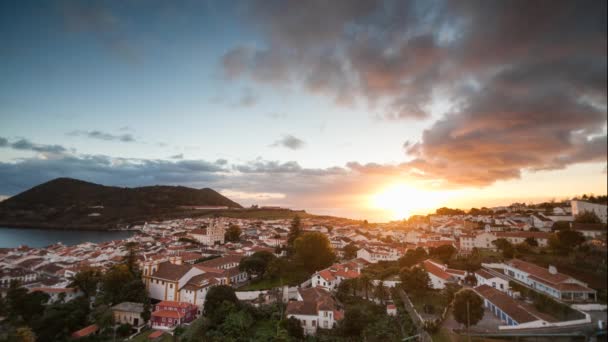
(587, 217)
(350, 251)
(380, 292)
(564, 241)
(449, 211)
(257, 263)
(24, 306)
(294, 328)
(443, 253)
(505, 247)
(87, 281)
(233, 233)
(25, 334)
(413, 257)
(560, 225)
(312, 251)
(364, 282)
(355, 321)
(277, 268)
(415, 280)
(468, 307)
(102, 316)
(294, 231)
(218, 295)
(531, 241)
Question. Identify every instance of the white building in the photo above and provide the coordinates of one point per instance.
(601, 210)
(314, 308)
(549, 281)
(331, 277)
(484, 277)
(214, 234)
(440, 275)
(375, 254)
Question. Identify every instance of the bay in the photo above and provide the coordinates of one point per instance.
(14, 237)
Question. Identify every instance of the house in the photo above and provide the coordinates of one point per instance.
(314, 308)
(549, 281)
(128, 313)
(377, 253)
(209, 236)
(331, 277)
(541, 222)
(391, 309)
(164, 280)
(506, 308)
(169, 314)
(542, 238)
(591, 230)
(601, 210)
(438, 274)
(16, 274)
(484, 277)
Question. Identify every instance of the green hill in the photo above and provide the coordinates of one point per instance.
(72, 203)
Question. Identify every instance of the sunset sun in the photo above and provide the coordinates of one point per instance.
(402, 201)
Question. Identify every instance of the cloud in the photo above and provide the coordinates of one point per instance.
(26, 145)
(290, 142)
(99, 135)
(103, 24)
(525, 81)
(277, 116)
(177, 156)
(248, 99)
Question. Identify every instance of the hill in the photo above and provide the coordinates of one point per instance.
(72, 203)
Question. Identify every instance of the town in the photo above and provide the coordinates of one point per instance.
(527, 270)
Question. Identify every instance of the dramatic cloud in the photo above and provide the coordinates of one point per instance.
(103, 136)
(96, 19)
(526, 80)
(26, 145)
(290, 142)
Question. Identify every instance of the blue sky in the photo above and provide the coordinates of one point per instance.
(324, 104)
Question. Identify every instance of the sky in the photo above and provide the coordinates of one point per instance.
(365, 109)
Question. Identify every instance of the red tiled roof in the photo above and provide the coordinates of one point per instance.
(326, 274)
(506, 304)
(86, 331)
(538, 272)
(53, 289)
(435, 270)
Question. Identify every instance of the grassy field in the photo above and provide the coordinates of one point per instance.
(262, 284)
(434, 298)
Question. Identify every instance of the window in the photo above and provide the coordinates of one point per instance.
(314, 323)
(170, 286)
(163, 319)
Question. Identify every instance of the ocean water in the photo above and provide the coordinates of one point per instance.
(14, 237)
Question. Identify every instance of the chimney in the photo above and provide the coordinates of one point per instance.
(552, 269)
(178, 260)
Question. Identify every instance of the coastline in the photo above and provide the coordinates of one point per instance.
(65, 227)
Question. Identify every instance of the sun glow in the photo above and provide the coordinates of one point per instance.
(402, 200)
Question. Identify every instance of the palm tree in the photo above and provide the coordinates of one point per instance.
(365, 282)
